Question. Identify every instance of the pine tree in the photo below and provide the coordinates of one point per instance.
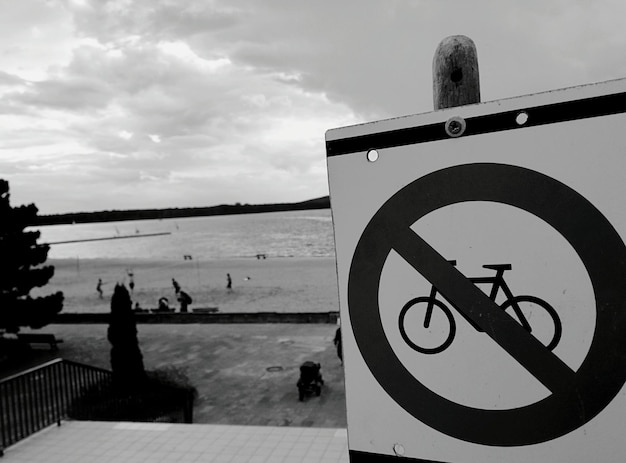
(126, 358)
(21, 269)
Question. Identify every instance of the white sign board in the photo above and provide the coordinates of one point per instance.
(482, 278)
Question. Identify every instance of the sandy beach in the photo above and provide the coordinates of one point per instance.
(259, 285)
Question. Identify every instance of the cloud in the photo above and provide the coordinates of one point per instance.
(10, 80)
(241, 129)
(71, 93)
(228, 101)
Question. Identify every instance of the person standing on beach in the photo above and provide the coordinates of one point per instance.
(229, 281)
(131, 282)
(176, 286)
(337, 343)
(99, 288)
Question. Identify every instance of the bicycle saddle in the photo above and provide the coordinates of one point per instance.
(498, 266)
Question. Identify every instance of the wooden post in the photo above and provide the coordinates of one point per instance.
(455, 73)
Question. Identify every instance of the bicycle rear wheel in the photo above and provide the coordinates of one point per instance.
(544, 322)
(431, 339)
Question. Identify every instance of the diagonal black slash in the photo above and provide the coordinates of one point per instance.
(550, 370)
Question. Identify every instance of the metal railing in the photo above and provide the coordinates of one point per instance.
(41, 396)
(59, 389)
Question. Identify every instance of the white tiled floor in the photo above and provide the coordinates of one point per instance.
(99, 442)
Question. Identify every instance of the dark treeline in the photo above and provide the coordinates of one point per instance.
(146, 214)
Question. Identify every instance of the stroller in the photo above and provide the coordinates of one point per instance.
(310, 379)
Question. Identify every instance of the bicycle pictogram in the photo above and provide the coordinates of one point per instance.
(526, 310)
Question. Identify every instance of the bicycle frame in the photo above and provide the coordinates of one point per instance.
(497, 282)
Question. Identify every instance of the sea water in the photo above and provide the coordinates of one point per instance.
(273, 234)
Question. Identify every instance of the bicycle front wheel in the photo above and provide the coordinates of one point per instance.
(426, 333)
(544, 322)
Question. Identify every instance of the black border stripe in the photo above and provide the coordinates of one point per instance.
(539, 115)
(366, 457)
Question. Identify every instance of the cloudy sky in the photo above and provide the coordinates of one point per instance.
(170, 103)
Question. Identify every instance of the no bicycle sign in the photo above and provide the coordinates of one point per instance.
(482, 278)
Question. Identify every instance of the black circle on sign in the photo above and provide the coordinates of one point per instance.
(576, 397)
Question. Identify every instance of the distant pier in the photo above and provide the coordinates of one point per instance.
(119, 237)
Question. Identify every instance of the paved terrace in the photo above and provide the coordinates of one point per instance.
(244, 412)
(100, 442)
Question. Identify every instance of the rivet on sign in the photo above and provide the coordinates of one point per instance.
(398, 449)
(521, 118)
(455, 126)
(372, 155)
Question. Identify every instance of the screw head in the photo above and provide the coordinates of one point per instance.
(455, 126)
(398, 449)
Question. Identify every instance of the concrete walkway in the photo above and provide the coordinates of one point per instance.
(100, 442)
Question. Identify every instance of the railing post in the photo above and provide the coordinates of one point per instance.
(188, 409)
(3, 425)
(455, 73)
